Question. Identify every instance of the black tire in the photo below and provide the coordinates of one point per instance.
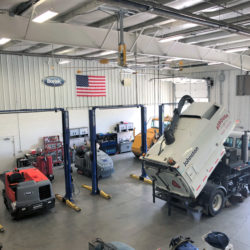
(16, 216)
(216, 202)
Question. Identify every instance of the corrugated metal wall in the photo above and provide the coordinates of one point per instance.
(224, 92)
(21, 84)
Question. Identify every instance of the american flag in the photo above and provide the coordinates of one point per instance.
(90, 85)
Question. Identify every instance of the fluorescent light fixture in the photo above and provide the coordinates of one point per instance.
(65, 51)
(128, 70)
(237, 50)
(64, 61)
(184, 4)
(173, 38)
(108, 52)
(165, 67)
(173, 59)
(4, 40)
(45, 16)
(214, 63)
(167, 21)
(215, 8)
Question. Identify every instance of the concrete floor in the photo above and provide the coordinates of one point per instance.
(130, 217)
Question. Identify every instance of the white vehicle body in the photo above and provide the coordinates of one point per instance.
(184, 166)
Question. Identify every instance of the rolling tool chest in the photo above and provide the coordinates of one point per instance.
(53, 147)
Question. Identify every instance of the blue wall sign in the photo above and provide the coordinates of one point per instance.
(53, 81)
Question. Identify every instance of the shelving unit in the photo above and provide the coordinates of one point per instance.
(78, 135)
(54, 147)
(108, 142)
(124, 136)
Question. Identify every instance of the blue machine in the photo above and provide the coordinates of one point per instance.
(181, 243)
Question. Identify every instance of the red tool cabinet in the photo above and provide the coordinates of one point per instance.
(54, 147)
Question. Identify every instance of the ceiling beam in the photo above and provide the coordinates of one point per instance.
(164, 11)
(150, 22)
(209, 14)
(234, 45)
(207, 37)
(89, 37)
(196, 30)
(20, 8)
(113, 18)
(104, 21)
(18, 53)
(156, 20)
(78, 10)
(60, 50)
(223, 41)
(35, 47)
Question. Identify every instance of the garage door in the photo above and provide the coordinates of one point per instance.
(197, 88)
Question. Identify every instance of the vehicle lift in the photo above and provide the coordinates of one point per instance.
(67, 199)
(92, 124)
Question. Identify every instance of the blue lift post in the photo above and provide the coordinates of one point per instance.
(67, 163)
(143, 137)
(161, 119)
(92, 125)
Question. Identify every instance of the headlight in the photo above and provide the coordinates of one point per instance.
(13, 205)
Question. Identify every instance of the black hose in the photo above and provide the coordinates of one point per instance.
(169, 131)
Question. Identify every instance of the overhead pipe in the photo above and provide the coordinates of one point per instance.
(209, 15)
(165, 11)
(196, 30)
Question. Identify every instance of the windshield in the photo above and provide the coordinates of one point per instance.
(155, 124)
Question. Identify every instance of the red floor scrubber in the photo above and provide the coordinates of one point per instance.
(27, 191)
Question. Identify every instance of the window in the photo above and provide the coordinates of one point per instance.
(238, 143)
(155, 124)
(229, 142)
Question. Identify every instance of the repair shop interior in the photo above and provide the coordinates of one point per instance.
(124, 125)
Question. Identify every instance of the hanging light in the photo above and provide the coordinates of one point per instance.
(45, 16)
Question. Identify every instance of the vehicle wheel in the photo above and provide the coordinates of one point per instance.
(216, 202)
(16, 216)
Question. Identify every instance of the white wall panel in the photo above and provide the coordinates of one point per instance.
(224, 92)
(21, 84)
(26, 130)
